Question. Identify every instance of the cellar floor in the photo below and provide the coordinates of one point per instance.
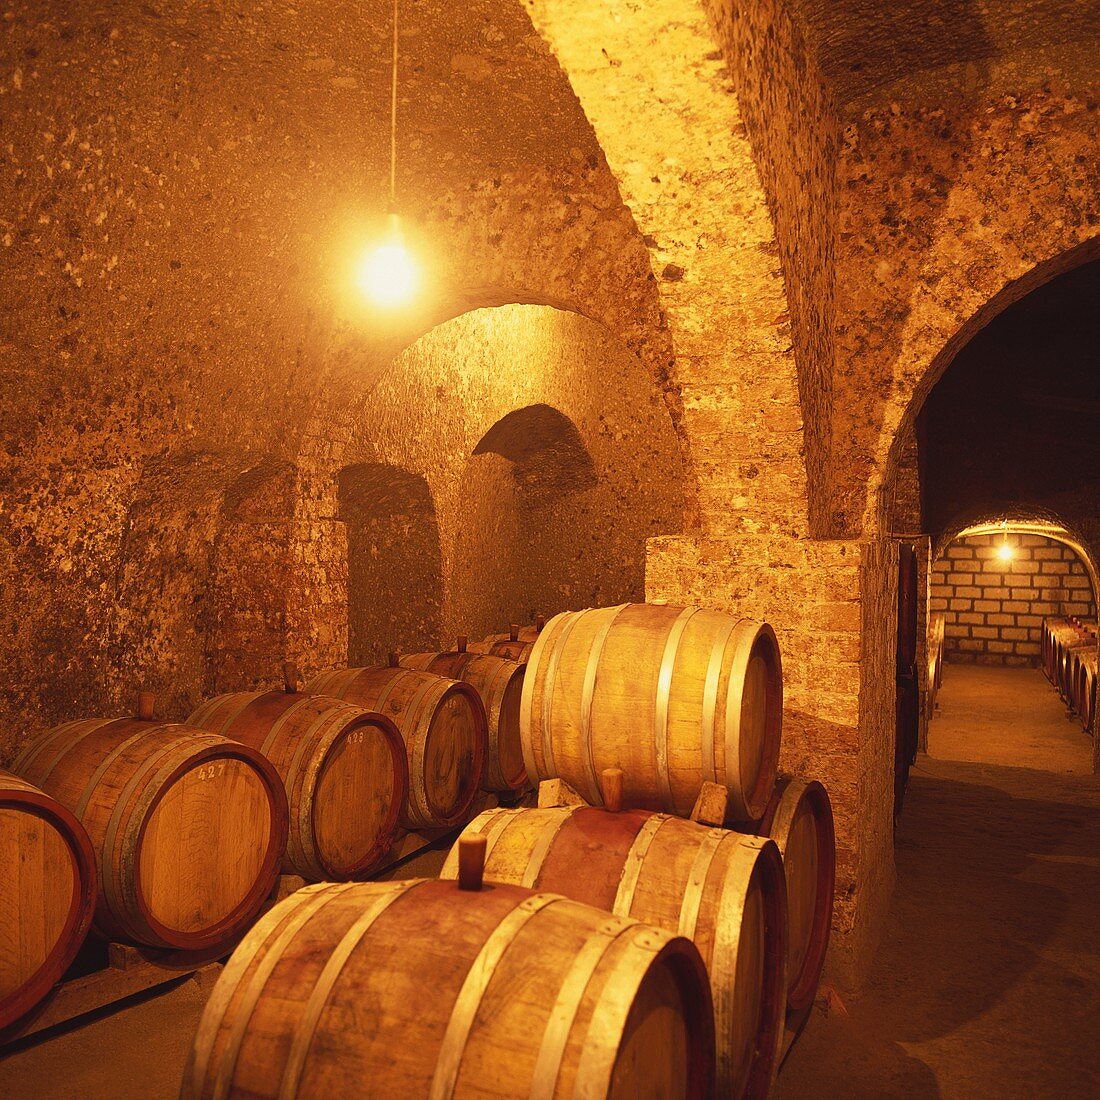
(986, 984)
(1007, 716)
(988, 979)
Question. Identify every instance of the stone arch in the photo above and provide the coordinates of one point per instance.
(611, 449)
(356, 354)
(1024, 519)
(909, 396)
(394, 566)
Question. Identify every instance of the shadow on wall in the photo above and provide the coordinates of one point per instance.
(395, 571)
(200, 592)
(160, 614)
(548, 456)
(509, 560)
(539, 530)
(247, 638)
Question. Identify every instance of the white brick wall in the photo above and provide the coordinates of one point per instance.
(994, 609)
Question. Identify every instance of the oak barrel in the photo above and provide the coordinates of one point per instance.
(420, 989)
(518, 633)
(443, 726)
(1067, 666)
(344, 770)
(510, 649)
(673, 696)
(1060, 638)
(799, 819)
(188, 828)
(499, 684)
(1083, 682)
(47, 894)
(723, 890)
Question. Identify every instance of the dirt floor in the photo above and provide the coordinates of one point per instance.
(987, 983)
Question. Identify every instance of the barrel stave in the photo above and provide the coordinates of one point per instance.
(498, 683)
(344, 770)
(442, 723)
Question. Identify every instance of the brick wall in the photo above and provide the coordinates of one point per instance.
(994, 609)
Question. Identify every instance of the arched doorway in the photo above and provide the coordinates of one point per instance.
(997, 486)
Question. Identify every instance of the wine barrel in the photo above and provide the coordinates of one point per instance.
(188, 828)
(1065, 635)
(508, 649)
(443, 726)
(520, 633)
(1086, 687)
(499, 684)
(420, 989)
(673, 696)
(799, 819)
(344, 770)
(1070, 645)
(722, 889)
(47, 894)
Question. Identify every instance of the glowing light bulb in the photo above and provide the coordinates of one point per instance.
(388, 275)
(1005, 552)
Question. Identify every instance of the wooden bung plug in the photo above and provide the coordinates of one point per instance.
(611, 787)
(540, 622)
(394, 661)
(471, 862)
(460, 643)
(290, 677)
(513, 633)
(146, 700)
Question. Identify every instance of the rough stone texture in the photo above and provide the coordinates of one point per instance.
(994, 609)
(906, 185)
(184, 191)
(934, 202)
(660, 101)
(834, 608)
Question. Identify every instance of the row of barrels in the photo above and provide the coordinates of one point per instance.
(664, 974)
(641, 705)
(1069, 659)
(708, 689)
(189, 824)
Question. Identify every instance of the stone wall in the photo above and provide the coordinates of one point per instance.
(184, 193)
(519, 458)
(994, 609)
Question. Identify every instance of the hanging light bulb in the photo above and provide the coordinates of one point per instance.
(1005, 551)
(388, 274)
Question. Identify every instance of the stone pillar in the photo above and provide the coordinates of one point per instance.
(833, 605)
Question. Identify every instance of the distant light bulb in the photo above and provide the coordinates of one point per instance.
(388, 275)
(1005, 552)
